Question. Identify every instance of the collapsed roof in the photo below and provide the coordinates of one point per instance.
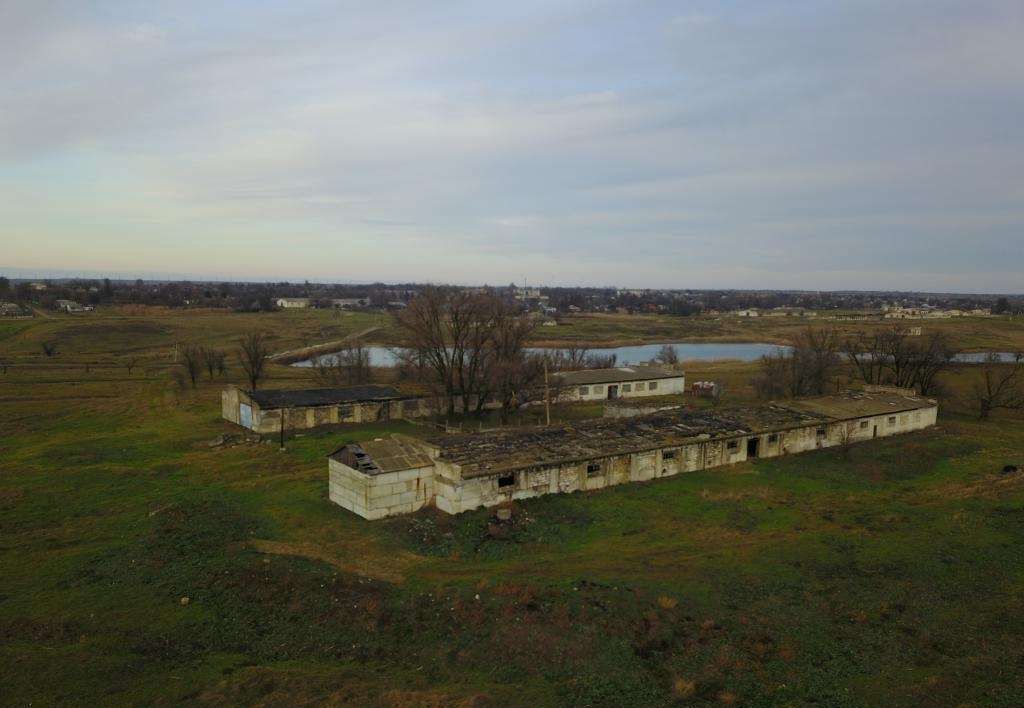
(307, 397)
(492, 453)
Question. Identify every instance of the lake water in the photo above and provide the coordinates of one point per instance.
(687, 351)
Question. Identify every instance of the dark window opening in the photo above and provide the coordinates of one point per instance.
(345, 411)
(669, 455)
(820, 432)
(752, 445)
(593, 469)
(773, 438)
(733, 445)
(507, 480)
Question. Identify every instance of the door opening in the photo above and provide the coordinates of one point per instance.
(613, 392)
(752, 445)
(874, 433)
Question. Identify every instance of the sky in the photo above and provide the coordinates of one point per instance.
(831, 144)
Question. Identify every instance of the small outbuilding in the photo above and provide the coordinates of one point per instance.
(262, 410)
(619, 382)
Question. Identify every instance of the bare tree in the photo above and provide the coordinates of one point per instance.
(601, 361)
(130, 363)
(450, 330)
(667, 355)
(252, 357)
(572, 358)
(349, 366)
(847, 434)
(514, 373)
(214, 361)
(192, 358)
(1001, 385)
(806, 370)
(894, 357)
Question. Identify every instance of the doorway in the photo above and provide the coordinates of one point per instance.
(874, 432)
(613, 392)
(752, 446)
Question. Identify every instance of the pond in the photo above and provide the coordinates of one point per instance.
(687, 351)
(636, 354)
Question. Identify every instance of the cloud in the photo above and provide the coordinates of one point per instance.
(848, 144)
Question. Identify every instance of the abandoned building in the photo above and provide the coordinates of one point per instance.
(261, 410)
(398, 474)
(621, 382)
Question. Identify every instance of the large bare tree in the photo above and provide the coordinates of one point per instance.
(1001, 385)
(807, 369)
(894, 356)
(473, 345)
(192, 359)
(253, 351)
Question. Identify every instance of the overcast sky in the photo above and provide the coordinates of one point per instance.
(817, 145)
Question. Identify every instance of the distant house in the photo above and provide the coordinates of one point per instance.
(13, 309)
(292, 303)
(349, 303)
(38, 286)
(747, 313)
(621, 382)
(70, 306)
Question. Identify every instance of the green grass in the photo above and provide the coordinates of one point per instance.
(892, 577)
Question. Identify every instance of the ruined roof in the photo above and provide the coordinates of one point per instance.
(383, 455)
(492, 453)
(616, 375)
(488, 454)
(297, 398)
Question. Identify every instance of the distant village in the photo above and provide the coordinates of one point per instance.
(20, 298)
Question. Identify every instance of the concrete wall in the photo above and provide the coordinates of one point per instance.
(629, 389)
(380, 495)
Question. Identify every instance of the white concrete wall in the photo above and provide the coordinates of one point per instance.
(380, 495)
(636, 389)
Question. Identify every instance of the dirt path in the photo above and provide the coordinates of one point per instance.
(292, 355)
(373, 566)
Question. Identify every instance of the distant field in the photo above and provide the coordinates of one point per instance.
(894, 577)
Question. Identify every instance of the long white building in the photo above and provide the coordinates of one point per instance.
(398, 474)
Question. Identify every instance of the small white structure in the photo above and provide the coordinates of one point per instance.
(620, 382)
(292, 303)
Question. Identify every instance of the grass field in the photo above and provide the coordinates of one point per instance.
(894, 577)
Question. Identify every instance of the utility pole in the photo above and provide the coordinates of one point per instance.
(281, 448)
